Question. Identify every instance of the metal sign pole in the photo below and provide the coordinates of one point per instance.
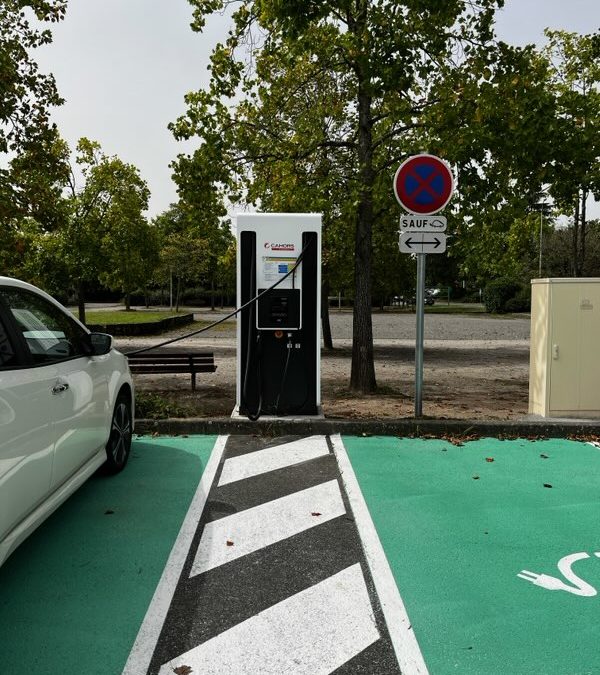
(423, 186)
(420, 299)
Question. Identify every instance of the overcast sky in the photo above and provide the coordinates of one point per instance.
(123, 67)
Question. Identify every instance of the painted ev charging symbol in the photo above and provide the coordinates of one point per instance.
(579, 587)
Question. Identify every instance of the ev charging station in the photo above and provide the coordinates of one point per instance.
(278, 334)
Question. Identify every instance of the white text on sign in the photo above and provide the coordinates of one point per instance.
(423, 224)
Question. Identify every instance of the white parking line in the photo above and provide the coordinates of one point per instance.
(270, 459)
(403, 638)
(234, 536)
(310, 633)
(147, 637)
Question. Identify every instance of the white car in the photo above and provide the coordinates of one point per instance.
(66, 408)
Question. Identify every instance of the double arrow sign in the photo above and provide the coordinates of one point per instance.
(422, 234)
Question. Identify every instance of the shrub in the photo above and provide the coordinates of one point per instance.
(497, 293)
(521, 301)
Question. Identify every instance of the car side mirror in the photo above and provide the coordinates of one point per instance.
(101, 343)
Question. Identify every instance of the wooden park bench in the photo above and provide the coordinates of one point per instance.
(173, 362)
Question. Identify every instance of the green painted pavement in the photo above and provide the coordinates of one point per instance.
(456, 543)
(72, 596)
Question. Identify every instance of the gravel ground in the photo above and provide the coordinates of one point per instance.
(475, 367)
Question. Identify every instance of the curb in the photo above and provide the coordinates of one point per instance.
(394, 427)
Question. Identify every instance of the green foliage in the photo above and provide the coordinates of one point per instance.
(25, 93)
(310, 107)
(196, 246)
(32, 172)
(505, 295)
(107, 237)
(575, 170)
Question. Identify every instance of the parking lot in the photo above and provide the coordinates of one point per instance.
(491, 548)
(476, 367)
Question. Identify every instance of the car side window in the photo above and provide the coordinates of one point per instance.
(8, 357)
(49, 334)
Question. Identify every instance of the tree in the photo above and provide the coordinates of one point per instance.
(33, 172)
(106, 236)
(193, 248)
(26, 95)
(575, 76)
(383, 58)
(502, 153)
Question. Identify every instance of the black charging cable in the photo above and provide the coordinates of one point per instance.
(253, 417)
(235, 311)
(283, 377)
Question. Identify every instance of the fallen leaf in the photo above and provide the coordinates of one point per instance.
(316, 513)
(547, 485)
(108, 512)
(475, 477)
(489, 459)
(229, 542)
(182, 670)
(543, 456)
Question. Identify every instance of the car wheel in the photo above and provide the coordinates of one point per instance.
(119, 441)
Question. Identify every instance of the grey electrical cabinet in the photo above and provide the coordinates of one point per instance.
(564, 363)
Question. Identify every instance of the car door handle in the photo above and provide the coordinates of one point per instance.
(59, 388)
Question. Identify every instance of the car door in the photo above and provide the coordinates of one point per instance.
(26, 439)
(77, 384)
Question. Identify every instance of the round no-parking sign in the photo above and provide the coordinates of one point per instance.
(423, 184)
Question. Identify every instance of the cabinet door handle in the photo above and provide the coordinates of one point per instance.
(555, 352)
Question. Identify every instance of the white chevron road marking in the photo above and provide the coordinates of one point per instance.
(310, 633)
(147, 637)
(404, 641)
(270, 459)
(237, 535)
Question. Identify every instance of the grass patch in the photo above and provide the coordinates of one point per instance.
(122, 316)
(455, 309)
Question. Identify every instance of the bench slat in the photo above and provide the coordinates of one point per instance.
(174, 355)
(175, 359)
(193, 363)
(164, 368)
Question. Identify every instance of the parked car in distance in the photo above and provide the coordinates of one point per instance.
(66, 408)
(428, 298)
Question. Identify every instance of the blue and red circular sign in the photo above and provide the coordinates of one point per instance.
(423, 184)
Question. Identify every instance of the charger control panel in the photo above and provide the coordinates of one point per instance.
(279, 309)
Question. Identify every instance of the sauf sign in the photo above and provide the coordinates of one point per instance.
(423, 186)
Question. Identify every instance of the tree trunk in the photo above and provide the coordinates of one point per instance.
(81, 300)
(127, 302)
(362, 375)
(178, 292)
(212, 293)
(325, 324)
